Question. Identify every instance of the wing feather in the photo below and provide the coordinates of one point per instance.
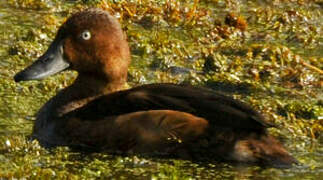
(219, 109)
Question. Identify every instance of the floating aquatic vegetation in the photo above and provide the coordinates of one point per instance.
(266, 53)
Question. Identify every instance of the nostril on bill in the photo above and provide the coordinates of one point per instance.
(44, 59)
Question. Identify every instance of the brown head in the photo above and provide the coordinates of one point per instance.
(90, 42)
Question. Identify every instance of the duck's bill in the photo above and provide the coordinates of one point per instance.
(50, 63)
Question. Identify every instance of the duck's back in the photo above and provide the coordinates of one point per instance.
(219, 109)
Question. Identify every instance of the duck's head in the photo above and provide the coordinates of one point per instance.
(90, 42)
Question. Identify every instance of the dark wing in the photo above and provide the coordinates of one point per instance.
(143, 131)
(220, 110)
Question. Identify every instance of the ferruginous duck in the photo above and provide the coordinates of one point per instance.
(164, 119)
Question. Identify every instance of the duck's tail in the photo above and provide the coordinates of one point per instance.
(263, 149)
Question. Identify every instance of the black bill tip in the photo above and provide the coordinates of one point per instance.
(19, 77)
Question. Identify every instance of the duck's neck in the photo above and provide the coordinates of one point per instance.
(84, 89)
(86, 86)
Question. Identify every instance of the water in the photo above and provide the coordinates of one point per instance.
(25, 33)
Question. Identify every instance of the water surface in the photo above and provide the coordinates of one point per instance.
(166, 49)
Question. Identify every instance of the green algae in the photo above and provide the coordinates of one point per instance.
(266, 53)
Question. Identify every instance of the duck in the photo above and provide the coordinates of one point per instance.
(97, 113)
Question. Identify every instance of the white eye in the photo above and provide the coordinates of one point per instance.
(86, 35)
